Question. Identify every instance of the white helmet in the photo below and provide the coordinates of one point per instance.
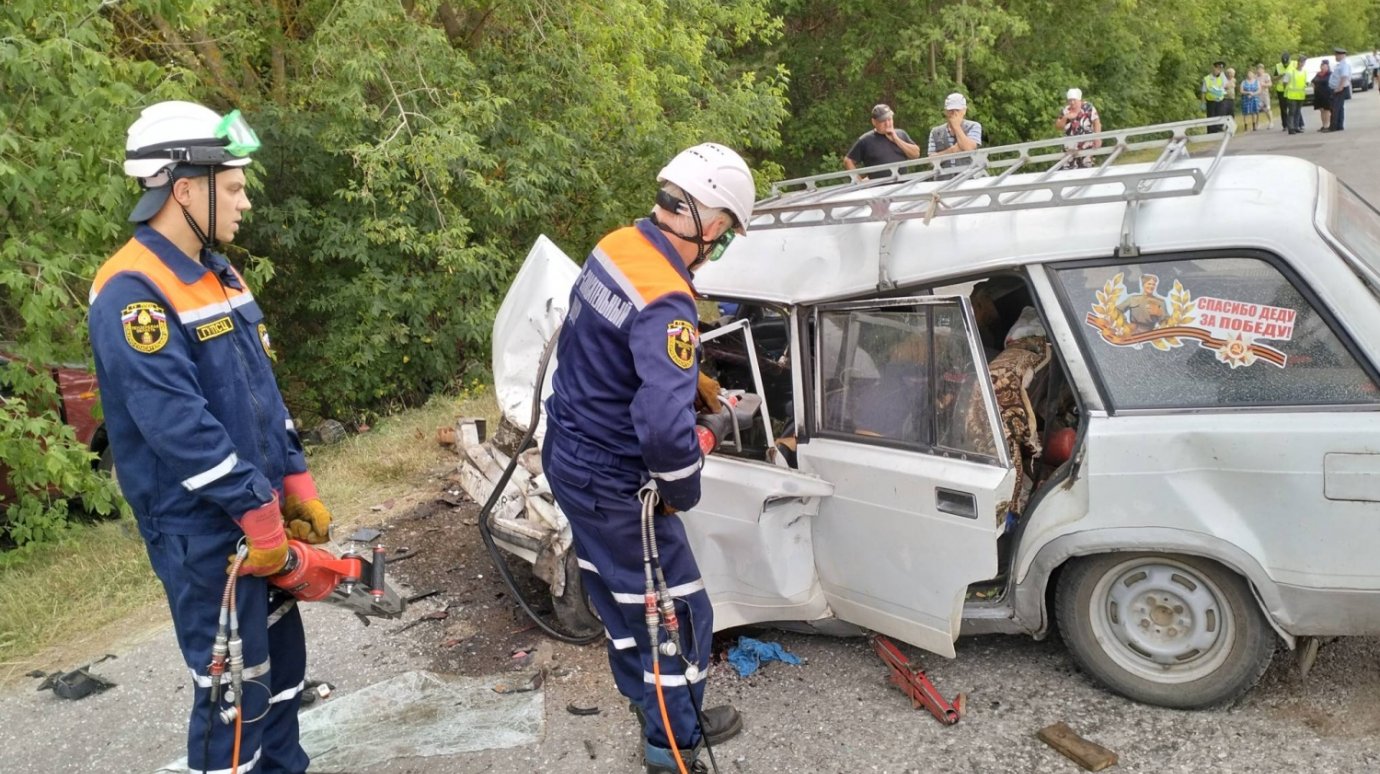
(166, 134)
(181, 139)
(716, 177)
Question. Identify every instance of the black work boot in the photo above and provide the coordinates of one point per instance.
(720, 723)
(662, 761)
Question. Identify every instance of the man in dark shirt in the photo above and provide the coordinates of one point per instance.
(885, 144)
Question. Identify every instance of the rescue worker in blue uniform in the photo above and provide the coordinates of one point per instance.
(205, 451)
(621, 413)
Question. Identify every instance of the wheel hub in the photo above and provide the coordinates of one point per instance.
(1162, 620)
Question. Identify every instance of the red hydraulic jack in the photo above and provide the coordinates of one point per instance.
(913, 682)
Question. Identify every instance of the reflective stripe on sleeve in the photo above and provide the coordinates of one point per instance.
(616, 274)
(676, 475)
(620, 643)
(205, 477)
(585, 564)
(214, 310)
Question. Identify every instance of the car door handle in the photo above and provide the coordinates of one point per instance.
(956, 503)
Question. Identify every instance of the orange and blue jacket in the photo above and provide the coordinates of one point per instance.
(628, 360)
(197, 425)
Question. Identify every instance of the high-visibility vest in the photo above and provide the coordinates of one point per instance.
(1214, 87)
(1280, 80)
(1298, 85)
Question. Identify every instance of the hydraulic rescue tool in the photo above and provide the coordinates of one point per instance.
(912, 680)
(351, 581)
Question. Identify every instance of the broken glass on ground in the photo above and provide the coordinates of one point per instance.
(414, 715)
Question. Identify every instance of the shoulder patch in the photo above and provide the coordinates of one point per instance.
(268, 344)
(146, 326)
(680, 342)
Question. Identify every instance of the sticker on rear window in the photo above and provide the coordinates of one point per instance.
(1233, 330)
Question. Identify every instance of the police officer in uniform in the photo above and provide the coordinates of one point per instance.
(622, 413)
(207, 456)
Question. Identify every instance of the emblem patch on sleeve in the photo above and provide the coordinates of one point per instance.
(680, 342)
(146, 326)
(268, 345)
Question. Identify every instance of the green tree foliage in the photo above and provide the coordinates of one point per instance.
(1139, 61)
(415, 148)
(413, 151)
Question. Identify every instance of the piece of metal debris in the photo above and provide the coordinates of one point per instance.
(434, 615)
(422, 595)
(77, 684)
(576, 709)
(365, 534)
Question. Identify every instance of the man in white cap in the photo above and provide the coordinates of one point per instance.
(885, 144)
(956, 134)
(1079, 117)
(1340, 83)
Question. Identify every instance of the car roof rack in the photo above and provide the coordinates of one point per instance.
(985, 183)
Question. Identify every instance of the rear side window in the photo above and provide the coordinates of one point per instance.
(1208, 332)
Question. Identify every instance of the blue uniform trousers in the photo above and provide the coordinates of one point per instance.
(597, 491)
(192, 569)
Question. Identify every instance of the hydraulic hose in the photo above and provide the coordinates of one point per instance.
(486, 533)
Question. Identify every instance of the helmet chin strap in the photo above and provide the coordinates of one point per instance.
(208, 242)
(702, 246)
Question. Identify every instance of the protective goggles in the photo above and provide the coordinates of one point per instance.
(240, 140)
(721, 244)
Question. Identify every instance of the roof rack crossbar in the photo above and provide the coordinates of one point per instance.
(984, 183)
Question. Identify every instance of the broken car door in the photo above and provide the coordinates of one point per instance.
(904, 425)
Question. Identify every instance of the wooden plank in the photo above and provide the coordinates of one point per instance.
(1090, 755)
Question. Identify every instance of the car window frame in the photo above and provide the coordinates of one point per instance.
(814, 407)
(1073, 317)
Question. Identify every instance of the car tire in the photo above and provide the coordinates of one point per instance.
(1173, 631)
(572, 608)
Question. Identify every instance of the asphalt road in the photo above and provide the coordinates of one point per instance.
(836, 713)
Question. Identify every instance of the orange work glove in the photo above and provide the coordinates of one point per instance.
(268, 547)
(306, 517)
(707, 395)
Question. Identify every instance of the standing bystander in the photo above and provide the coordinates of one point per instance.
(1250, 101)
(1267, 86)
(1340, 82)
(1322, 95)
(1213, 92)
(1229, 108)
(1079, 117)
(884, 144)
(1281, 81)
(956, 135)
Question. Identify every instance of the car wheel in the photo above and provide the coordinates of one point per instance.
(572, 608)
(1174, 631)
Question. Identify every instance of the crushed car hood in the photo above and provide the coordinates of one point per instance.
(530, 315)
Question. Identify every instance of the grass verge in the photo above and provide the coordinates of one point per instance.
(61, 602)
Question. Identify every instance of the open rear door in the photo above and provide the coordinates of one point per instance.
(904, 425)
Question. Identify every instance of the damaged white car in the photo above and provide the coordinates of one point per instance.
(1138, 398)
